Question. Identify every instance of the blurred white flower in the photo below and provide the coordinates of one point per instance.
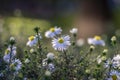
(16, 64)
(1, 74)
(53, 32)
(108, 63)
(12, 39)
(80, 42)
(44, 62)
(50, 56)
(27, 60)
(32, 50)
(105, 50)
(116, 58)
(47, 73)
(74, 31)
(96, 41)
(7, 55)
(99, 60)
(116, 61)
(25, 78)
(61, 43)
(51, 67)
(113, 38)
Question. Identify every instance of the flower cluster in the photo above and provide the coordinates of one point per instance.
(67, 57)
(13, 65)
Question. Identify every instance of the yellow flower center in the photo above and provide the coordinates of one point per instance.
(12, 65)
(114, 77)
(60, 40)
(52, 29)
(31, 38)
(97, 38)
(7, 51)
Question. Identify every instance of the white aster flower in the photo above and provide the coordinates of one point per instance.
(80, 42)
(96, 41)
(53, 32)
(7, 55)
(116, 58)
(114, 75)
(61, 43)
(74, 31)
(116, 61)
(50, 56)
(108, 63)
(51, 67)
(33, 40)
(16, 64)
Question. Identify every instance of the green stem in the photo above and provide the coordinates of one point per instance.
(10, 60)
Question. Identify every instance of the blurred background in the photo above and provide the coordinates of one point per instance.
(91, 17)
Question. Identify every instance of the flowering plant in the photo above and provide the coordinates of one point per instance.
(70, 58)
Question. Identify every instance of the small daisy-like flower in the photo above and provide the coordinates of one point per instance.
(16, 64)
(50, 56)
(96, 41)
(32, 41)
(8, 51)
(61, 43)
(80, 42)
(51, 67)
(116, 58)
(74, 31)
(116, 61)
(108, 63)
(53, 32)
(114, 75)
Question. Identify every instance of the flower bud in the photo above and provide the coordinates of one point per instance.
(32, 50)
(92, 48)
(27, 60)
(74, 31)
(114, 39)
(87, 71)
(12, 40)
(48, 73)
(105, 51)
(50, 56)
